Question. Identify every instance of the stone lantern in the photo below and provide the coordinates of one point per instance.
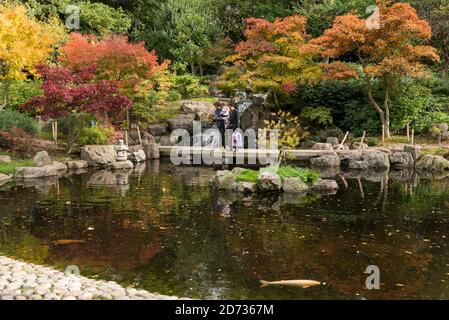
(121, 151)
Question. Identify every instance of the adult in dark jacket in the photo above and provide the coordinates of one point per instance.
(233, 119)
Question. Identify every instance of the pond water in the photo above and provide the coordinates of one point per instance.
(169, 232)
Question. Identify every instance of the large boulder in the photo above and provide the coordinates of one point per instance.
(184, 121)
(203, 111)
(402, 160)
(333, 141)
(414, 151)
(224, 180)
(432, 163)
(167, 140)
(137, 156)
(376, 159)
(269, 181)
(246, 187)
(346, 157)
(60, 167)
(42, 159)
(76, 164)
(158, 129)
(237, 171)
(294, 185)
(4, 178)
(6, 159)
(325, 186)
(326, 161)
(358, 165)
(122, 165)
(322, 146)
(98, 156)
(152, 151)
(36, 172)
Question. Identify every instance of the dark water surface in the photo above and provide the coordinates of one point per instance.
(169, 232)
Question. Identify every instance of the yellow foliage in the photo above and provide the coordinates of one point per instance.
(24, 42)
(290, 131)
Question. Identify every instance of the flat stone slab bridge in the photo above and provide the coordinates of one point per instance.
(298, 155)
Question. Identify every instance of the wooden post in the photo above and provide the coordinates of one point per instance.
(343, 141)
(54, 131)
(126, 137)
(408, 132)
(363, 140)
(413, 136)
(383, 135)
(138, 134)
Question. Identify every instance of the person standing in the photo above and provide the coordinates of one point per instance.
(233, 119)
(220, 121)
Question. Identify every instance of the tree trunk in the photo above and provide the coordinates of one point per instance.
(5, 100)
(200, 65)
(387, 110)
(373, 103)
(192, 67)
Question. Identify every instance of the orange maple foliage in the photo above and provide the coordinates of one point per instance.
(115, 58)
(396, 49)
(272, 57)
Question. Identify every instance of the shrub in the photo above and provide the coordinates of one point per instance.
(17, 140)
(72, 126)
(248, 176)
(10, 119)
(291, 133)
(174, 95)
(320, 116)
(306, 175)
(95, 136)
(434, 132)
(189, 86)
(370, 141)
(20, 92)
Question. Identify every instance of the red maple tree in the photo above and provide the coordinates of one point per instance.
(68, 91)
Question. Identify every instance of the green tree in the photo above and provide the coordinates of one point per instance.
(95, 18)
(436, 12)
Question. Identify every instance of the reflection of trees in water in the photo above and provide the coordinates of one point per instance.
(168, 234)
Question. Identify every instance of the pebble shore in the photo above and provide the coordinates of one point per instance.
(25, 281)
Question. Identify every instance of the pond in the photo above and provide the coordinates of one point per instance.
(169, 232)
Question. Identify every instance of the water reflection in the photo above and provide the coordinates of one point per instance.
(169, 232)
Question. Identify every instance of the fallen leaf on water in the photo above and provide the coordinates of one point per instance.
(67, 242)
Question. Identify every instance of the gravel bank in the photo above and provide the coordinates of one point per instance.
(25, 281)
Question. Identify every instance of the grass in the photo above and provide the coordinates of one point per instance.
(9, 168)
(161, 113)
(306, 175)
(248, 176)
(437, 151)
(205, 99)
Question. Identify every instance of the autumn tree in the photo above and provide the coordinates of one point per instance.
(114, 57)
(24, 42)
(385, 53)
(272, 57)
(67, 92)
